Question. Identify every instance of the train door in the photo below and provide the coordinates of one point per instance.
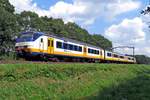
(85, 51)
(101, 53)
(50, 45)
(41, 45)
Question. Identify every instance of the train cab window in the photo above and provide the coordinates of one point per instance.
(80, 48)
(65, 45)
(36, 35)
(109, 54)
(41, 40)
(59, 44)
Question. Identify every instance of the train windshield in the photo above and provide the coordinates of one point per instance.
(28, 36)
(24, 37)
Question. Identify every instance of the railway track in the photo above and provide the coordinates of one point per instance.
(34, 62)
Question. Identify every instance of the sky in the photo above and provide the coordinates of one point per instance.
(118, 20)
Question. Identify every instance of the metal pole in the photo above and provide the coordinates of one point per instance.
(133, 52)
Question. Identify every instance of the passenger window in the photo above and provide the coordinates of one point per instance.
(116, 56)
(80, 48)
(97, 52)
(89, 50)
(122, 57)
(59, 44)
(94, 51)
(41, 40)
(70, 47)
(75, 48)
(65, 45)
(109, 54)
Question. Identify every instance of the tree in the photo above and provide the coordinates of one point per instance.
(8, 28)
(142, 59)
(11, 24)
(146, 11)
(7, 6)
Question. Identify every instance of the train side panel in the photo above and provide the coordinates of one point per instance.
(66, 48)
(51, 46)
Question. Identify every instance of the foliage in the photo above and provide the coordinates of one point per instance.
(146, 11)
(11, 24)
(8, 29)
(142, 59)
(74, 81)
(7, 6)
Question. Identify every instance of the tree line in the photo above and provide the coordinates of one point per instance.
(11, 24)
(142, 59)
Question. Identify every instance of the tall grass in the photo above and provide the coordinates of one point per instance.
(74, 81)
(9, 56)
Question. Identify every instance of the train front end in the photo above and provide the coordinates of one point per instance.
(25, 42)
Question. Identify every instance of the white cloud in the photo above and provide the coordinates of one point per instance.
(28, 5)
(131, 32)
(120, 6)
(147, 50)
(83, 11)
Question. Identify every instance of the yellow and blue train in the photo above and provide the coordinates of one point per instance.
(41, 45)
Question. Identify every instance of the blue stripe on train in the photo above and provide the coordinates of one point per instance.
(36, 53)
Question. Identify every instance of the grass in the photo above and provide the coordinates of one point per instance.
(74, 81)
